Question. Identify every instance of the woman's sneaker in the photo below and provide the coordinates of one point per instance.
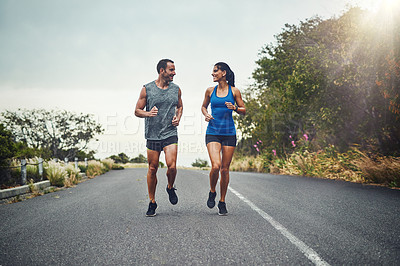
(222, 209)
(173, 198)
(152, 209)
(211, 199)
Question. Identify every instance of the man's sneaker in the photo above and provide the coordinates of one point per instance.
(222, 208)
(152, 209)
(211, 199)
(173, 198)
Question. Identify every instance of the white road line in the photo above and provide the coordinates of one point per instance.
(306, 250)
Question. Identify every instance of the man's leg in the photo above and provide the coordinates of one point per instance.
(171, 153)
(153, 159)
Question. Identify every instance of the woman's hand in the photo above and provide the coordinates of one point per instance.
(230, 106)
(208, 117)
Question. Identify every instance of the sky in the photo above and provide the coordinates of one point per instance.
(94, 56)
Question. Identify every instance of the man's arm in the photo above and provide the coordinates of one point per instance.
(179, 110)
(141, 104)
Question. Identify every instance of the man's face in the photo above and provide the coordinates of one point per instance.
(169, 72)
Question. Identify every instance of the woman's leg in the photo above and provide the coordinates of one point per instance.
(227, 154)
(214, 150)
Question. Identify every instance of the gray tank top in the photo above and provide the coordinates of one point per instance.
(160, 127)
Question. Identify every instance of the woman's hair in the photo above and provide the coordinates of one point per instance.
(230, 76)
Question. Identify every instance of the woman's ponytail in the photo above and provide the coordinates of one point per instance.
(230, 76)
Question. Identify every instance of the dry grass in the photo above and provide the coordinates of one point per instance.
(33, 189)
(135, 165)
(95, 168)
(354, 166)
(72, 176)
(316, 164)
(56, 173)
(247, 164)
(108, 163)
(384, 170)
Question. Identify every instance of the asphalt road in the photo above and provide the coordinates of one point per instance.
(276, 220)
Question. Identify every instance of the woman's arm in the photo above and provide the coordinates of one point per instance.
(206, 102)
(240, 108)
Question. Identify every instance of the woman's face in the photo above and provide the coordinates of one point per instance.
(218, 74)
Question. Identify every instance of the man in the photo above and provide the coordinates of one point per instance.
(162, 99)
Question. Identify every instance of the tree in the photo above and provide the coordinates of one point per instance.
(139, 159)
(200, 163)
(336, 80)
(62, 133)
(81, 155)
(286, 84)
(120, 158)
(8, 148)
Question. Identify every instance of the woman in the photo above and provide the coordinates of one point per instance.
(221, 132)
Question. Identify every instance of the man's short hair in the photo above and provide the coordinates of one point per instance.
(163, 64)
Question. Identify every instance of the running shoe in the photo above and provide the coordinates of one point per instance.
(222, 209)
(211, 199)
(173, 198)
(152, 209)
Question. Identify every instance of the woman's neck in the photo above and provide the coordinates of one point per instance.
(223, 85)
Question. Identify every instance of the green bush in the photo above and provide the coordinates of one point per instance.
(7, 145)
(117, 167)
(14, 178)
(82, 166)
(32, 172)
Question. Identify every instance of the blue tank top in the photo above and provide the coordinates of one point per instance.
(222, 124)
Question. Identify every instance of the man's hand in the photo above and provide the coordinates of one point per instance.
(153, 112)
(175, 121)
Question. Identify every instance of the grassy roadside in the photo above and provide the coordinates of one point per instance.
(60, 175)
(353, 166)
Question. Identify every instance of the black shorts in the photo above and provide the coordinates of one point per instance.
(224, 140)
(159, 145)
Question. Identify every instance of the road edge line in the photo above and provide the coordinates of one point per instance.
(306, 250)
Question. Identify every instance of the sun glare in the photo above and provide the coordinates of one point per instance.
(387, 5)
(376, 5)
